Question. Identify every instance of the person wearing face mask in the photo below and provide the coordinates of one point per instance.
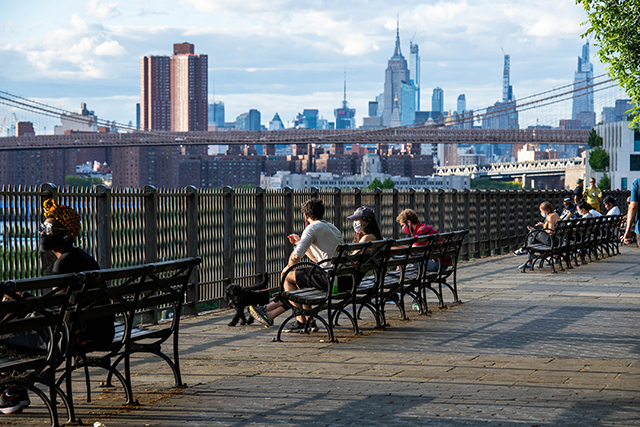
(570, 210)
(550, 220)
(365, 225)
(57, 234)
(408, 221)
(318, 241)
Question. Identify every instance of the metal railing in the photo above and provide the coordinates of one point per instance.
(241, 234)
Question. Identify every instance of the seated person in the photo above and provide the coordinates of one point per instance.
(570, 210)
(57, 234)
(318, 241)
(408, 221)
(365, 225)
(587, 211)
(550, 219)
(610, 204)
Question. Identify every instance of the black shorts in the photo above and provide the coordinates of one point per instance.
(313, 277)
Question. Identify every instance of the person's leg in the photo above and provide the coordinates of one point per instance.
(432, 265)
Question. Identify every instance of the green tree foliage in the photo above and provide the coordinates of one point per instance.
(594, 139)
(614, 26)
(81, 181)
(598, 159)
(605, 183)
(387, 184)
(488, 184)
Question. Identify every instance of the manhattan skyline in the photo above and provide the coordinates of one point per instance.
(282, 57)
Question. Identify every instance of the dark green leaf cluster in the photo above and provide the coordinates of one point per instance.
(614, 26)
(595, 140)
(81, 181)
(387, 184)
(488, 184)
(604, 183)
(598, 159)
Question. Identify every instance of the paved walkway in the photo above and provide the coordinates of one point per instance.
(532, 349)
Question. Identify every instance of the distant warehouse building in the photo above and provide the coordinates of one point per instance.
(283, 179)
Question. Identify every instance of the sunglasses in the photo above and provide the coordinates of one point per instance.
(48, 228)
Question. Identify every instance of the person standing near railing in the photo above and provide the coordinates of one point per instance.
(632, 214)
(593, 195)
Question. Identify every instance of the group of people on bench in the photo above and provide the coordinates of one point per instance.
(578, 207)
(57, 235)
(319, 241)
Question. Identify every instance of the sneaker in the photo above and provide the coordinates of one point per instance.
(10, 401)
(313, 327)
(525, 265)
(520, 251)
(295, 327)
(23, 393)
(260, 314)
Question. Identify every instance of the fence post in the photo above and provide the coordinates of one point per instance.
(193, 290)
(228, 239)
(412, 199)
(357, 198)
(465, 197)
(480, 245)
(337, 208)
(150, 224)
(454, 209)
(427, 206)
(47, 258)
(377, 204)
(150, 194)
(396, 212)
(476, 214)
(103, 234)
(288, 218)
(441, 210)
(261, 248)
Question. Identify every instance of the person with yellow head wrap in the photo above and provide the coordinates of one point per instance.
(57, 234)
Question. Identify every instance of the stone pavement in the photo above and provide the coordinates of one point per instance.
(533, 349)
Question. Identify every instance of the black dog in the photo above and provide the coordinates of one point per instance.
(240, 298)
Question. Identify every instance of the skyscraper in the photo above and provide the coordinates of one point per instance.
(462, 103)
(189, 79)
(155, 93)
(437, 100)
(216, 114)
(396, 73)
(414, 69)
(345, 116)
(583, 109)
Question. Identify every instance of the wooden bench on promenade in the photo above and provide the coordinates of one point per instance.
(378, 272)
(572, 241)
(122, 293)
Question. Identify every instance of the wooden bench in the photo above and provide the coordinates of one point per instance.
(380, 272)
(122, 293)
(572, 241)
(37, 307)
(126, 293)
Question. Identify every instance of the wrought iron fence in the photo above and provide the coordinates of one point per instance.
(241, 234)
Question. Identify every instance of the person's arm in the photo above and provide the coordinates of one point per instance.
(631, 216)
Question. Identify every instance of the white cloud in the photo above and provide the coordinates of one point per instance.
(109, 48)
(103, 11)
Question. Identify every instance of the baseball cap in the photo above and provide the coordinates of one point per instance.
(362, 212)
(567, 199)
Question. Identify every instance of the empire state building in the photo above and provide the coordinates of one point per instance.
(398, 86)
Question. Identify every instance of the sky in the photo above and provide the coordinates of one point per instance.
(283, 55)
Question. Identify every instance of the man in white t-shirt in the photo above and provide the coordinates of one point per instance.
(318, 241)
